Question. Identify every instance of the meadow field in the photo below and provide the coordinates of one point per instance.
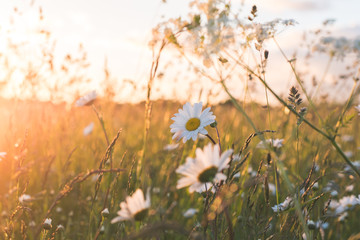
(238, 130)
(50, 160)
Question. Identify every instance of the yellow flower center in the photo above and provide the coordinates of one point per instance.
(208, 174)
(192, 124)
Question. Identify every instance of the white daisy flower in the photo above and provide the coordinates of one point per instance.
(288, 202)
(25, 198)
(134, 208)
(87, 99)
(47, 224)
(276, 143)
(190, 212)
(88, 129)
(190, 121)
(344, 204)
(203, 170)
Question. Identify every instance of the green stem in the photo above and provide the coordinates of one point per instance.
(300, 83)
(331, 139)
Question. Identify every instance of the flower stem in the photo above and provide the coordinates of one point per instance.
(218, 137)
(210, 138)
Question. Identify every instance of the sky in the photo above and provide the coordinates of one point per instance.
(119, 31)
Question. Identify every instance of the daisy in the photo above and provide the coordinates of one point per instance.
(284, 205)
(190, 121)
(25, 198)
(47, 224)
(88, 129)
(134, 208)
(190, 212)
(276, 143)
(203, 170)
(86, 100)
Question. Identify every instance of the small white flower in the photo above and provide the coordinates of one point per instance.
(87, 99)
(170, 147)
(346, 203)
(347, 138)
(321, 224)
(60, 228)
(343, 217)
(88, 129)
(135, 207)
(190, 212)
(349, 188)
(190, 121)
(288, 202)
(272, 189)
(25, 198)
(200, 172)
(237, 175)
(105, 212)
(355, 163)
(47, 224)
(349, 154)
(358, 109)
(276, 143)
(2, 155)
(311, 224)
(334, 193)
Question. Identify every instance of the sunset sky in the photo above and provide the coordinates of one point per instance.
(120, 30)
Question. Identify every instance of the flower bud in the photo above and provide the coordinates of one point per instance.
(214, 124)
(105, 212)
(47, 224)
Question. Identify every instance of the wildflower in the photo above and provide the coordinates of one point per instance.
(190, 121)
(170, 147)
(349, 154)
(47, 224)
(321, 224)
(347, 138)
(105, 212)
(237, 175)
(349, 188)
(276, 143)
(204, 169)
(344, 204)
(311, 224)
(24, 198)
(190, 212)
(134, 208)
(102, 229)
(87, 99)
(60, 228)
(358, 109)
(2, 155)
(343, 217)
(283, 206)
(355, 163)
(88, 129)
